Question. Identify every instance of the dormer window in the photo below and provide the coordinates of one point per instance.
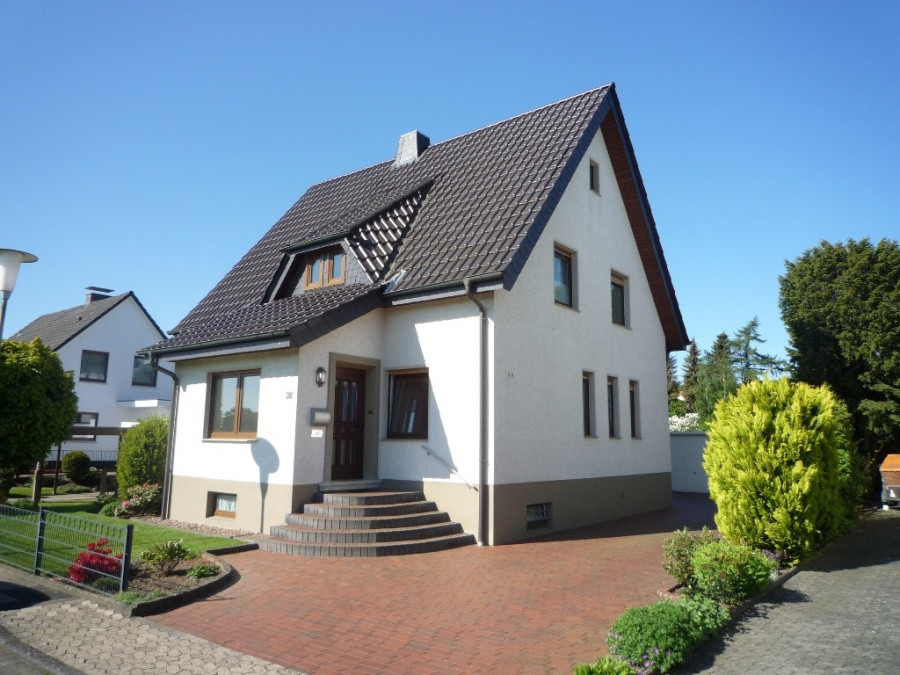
(325, 268)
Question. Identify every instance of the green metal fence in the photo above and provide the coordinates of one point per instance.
(86, 553)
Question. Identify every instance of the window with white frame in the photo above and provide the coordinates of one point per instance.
(86, 419)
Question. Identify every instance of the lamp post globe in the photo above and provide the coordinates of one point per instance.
(10, 260)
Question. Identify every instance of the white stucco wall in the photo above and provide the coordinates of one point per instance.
(444, 337)
(542, 349)
(121, 332)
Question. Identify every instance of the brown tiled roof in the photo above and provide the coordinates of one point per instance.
(58, 328)
(480, 202)
(299, 318)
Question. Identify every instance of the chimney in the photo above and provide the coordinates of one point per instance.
(411, 147)
(96, 293)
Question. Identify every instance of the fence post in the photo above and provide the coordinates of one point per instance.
(126, 558)
(39, 542)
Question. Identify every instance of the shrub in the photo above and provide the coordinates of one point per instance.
(165, 556)
(203, 569)
(108, 510)
(95, 563)
(773, 465)
(608, 665)
(76, 465)
(26, 504)
(729, 572)
(142, 499)
(677, 552)
(142, 454)
(660, 636)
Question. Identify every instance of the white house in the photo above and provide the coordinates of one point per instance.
(484, 319)
(98, 341)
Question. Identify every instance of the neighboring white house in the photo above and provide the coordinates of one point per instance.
(485, 319)
(98, 341)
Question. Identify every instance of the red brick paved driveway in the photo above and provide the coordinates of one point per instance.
(536, 607)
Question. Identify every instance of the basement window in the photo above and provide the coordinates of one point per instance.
(221, 504)
(537, 516)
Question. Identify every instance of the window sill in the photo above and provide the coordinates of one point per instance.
(228, 440)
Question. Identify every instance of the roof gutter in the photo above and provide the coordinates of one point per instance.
(483, 502)
(444, 289)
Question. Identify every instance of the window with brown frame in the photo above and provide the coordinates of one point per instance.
(234, 404)
(619, 299)
(563, 276)
(221, 504)
(326, 268)
(408, 404)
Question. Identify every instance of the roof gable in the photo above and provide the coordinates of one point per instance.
(59, 328)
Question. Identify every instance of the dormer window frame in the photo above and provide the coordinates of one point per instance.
(321, 267)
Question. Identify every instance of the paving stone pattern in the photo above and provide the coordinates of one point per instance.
(82, 636)
(838, 615)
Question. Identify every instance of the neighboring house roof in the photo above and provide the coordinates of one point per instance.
(58, 328)
(472, 207)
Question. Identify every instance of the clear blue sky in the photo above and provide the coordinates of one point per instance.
(147, 146)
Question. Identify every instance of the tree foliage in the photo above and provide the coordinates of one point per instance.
(776, 461)
(748, 362)
(673, 386)
(38, 405)
(142, 454)
(689, 373)
(715, 377)
(841, 306)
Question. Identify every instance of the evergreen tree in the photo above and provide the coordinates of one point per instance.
(715, 377)
(676, 405)
(689, 372)
(748, 362)
(841, 306)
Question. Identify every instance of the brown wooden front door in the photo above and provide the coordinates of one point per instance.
(349, 419)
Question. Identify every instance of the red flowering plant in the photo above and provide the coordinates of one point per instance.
(96, 562)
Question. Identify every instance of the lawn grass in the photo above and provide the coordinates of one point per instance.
(145, 534)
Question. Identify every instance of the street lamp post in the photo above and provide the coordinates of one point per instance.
(10, 260)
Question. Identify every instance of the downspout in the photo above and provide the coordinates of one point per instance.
(170, 444)
(483, 503)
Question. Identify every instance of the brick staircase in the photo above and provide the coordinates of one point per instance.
(363, 524)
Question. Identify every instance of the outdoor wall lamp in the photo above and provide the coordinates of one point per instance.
(320, 376)
(10, 259)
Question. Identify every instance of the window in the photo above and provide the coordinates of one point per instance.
(85, 419)
(234, 405)
(326, 268)
(595, 177)
(634, 409)
(612, 406)
(537, 516)
(408, 404)
(93, 366)
(587, 403)
(221, 504)
(142, 373)
(563, 277)
(619, 293)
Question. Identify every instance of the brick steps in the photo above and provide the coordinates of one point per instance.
(366, 524)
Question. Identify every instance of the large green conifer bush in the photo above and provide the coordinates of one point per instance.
(142, 454)
(774, 465)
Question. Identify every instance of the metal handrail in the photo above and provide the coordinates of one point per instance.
(448, 466)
